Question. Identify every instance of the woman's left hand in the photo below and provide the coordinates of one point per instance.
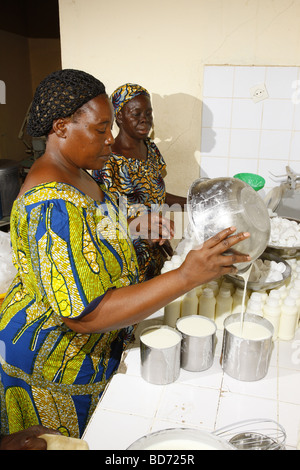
(152, 227)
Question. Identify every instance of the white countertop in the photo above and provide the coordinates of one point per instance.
(130, 407)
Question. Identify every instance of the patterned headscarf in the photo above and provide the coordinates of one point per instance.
(125, 93)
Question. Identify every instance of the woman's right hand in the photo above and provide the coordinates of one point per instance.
(208, 262)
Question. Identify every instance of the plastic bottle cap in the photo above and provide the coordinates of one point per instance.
(254, 305)
(239, 291)
(272, 302)
(295, 293)
(225, 292)
(207, 292)
(275, 294)
(256, 296)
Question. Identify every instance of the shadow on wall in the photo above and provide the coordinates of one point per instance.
(177, 133)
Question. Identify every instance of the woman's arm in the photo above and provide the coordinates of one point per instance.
(128, 305)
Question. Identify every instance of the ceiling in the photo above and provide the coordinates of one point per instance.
(30, 18)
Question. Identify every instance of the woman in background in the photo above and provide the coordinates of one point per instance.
(135, 171)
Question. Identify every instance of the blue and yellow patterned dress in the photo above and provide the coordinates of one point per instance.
(69, 251)
(142, 184)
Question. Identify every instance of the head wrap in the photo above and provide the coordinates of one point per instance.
(125, 93)
(59, 95)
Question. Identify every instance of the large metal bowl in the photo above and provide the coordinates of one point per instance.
(260, 285)
(218, 203)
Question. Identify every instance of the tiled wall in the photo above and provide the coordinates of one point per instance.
(239, 135)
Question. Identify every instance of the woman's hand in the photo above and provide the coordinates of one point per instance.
(152, 227)
(209, 261)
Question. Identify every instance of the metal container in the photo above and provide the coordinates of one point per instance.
(181, 439)
(160, 364)
(197, 348)
(245, 359)
(218, 203)
(10, 184)
(263, 285)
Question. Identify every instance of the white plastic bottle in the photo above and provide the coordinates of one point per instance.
(223, 306)
(214, 286)
(199, 290)
(207, 303)
(263, 295)
(225, 284)
(257, 297)
(295, 294)
(288, 320)
(272, 312)
(275, 294)
(189, 304)
(296, 283)
(296, 272)
(282, 290)
(255, 307)
(172, 312)
(237, 300)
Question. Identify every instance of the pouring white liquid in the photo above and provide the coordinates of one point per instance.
(245, 276)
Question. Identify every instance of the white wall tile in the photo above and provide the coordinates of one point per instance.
(128, 402)
(289, 418)
(289, 386)
(246, 114)
(275, 144)
(217, 112)
(244, 143)
(238, 165)
(245, 78)
(100, 433)
(279, 81)
(295, 146)
(277, 114)
(218, 81)
(296, 124)
(234, 407)
(185, 403)
(240, 135)
(213, 167)
(215, 141)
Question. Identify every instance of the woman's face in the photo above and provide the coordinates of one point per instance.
(88, 137)
(136, 117)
